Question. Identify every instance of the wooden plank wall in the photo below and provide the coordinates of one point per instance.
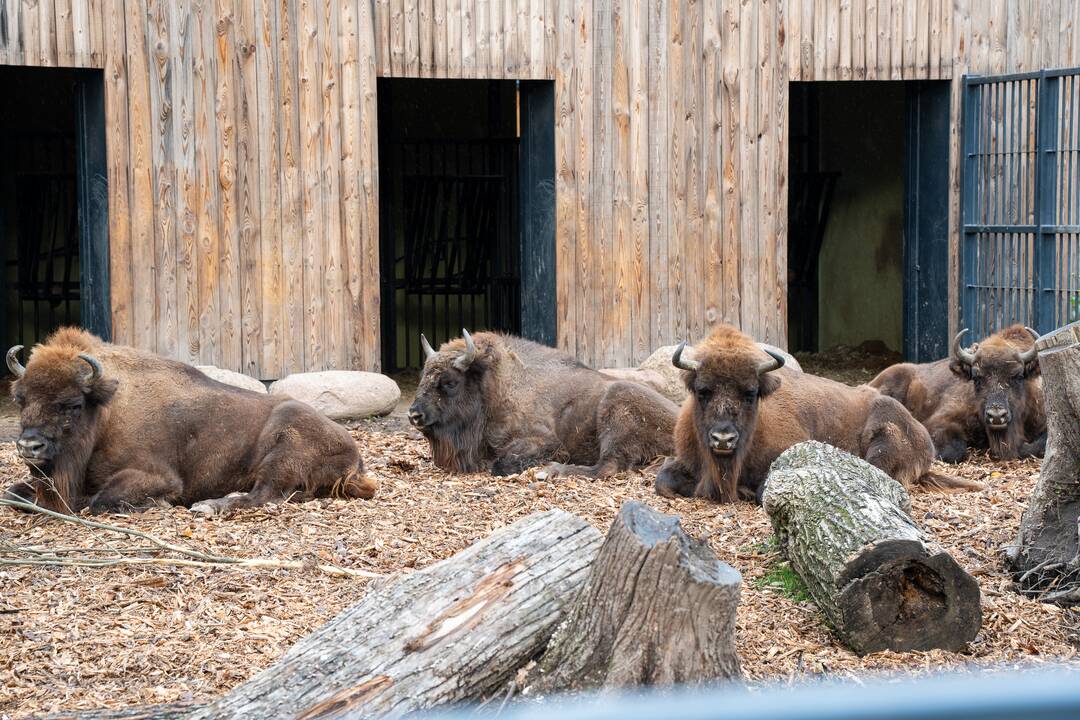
(243, 155)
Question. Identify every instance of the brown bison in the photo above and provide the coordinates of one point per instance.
(745, 408)
(108, 427)
(987, 397)
(501, 403)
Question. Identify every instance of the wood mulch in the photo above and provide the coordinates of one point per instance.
(111, 637)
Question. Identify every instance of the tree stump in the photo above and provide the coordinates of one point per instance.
(1044, 557)
(658, 608)
(449, 633)
(845, 526)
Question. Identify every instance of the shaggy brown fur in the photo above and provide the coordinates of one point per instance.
(151, 430)
(736, 422)
(958, 401)
(518, 404)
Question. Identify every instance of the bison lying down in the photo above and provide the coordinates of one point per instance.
(745, 408)
(501, 403)
(990, 397)
(110, 427)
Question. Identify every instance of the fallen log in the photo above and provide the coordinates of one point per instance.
(449, 633)
(658, 609)
(845, 527)
(1044, 557)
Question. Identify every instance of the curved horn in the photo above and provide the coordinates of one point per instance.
(678, 361)
(1029, 355)
(767, 366)
(95, 368)
(465, 360)
(13, 363)
(960, 352)
(428, 350)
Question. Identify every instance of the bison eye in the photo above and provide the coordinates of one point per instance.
(704, 394)
(450, 384)
(750, 395)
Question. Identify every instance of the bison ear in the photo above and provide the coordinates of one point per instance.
(767, 385)
(101, 391)
(1031, 368)
(960, 368)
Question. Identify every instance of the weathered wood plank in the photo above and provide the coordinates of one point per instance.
(858, 39)
(551, 49)
(141, 183)
(693, 241)
(873, 10)
(843, 71)
(369, 184)
(777, 313)
(832, 37)
(821, 39)
(602, 177)
(397, 38)
(536, 39)
(482, 25)
(622, 245)
(767, 162)
(311, 115)
(63, 32)
(426, 27)
(793, 28)
(294, 318)
(566, 201)
(524, 51)
(498, 38)
(587, 327)
(352, 229)
(10, 40)
(806, 52)
(730, 155)
(383, 12)
(468, 39)
(438, 17)
(229, 269)
(641, 274)
(922, 41)
(749, 199)
(333, 279)
(30, 31)
(158, 37)
(80, 33)
(934, 60)
(116, 152)
(272, 278)
(660, 310)
(712, 275)
(181, 30)
(999, 36)
(453, 38)
(248, 164)
(46, 12)
(206, 180)
(676, 170)
(411, 25)
(896, 42)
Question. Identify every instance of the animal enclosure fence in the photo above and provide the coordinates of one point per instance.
(1021, 200)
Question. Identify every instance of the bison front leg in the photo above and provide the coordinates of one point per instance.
(524, 453)
(1034, 449)
(132, 489)
(675, 479)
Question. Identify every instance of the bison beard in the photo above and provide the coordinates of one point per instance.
(735, 392)
(137, 430)
(504, 404)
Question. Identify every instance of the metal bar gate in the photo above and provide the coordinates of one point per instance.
(1020, 200)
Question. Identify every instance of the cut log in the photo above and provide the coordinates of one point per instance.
(1044, 558)
(658, 609)
(845, 527)
(449, 633)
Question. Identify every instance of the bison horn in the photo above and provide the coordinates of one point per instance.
(428, 350)
(963, 355)
(13, 363)
(1029, 355)
(465, 359)
(95, 368)
(678, 361)
(776, 363)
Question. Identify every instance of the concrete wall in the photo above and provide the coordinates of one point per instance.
(861, 264)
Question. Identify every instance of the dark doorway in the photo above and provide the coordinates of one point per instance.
(53, 203)
(868, 217)
(450, 235)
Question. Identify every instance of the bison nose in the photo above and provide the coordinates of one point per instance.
(30, 445)
(417, 417)
(723, 441)
(997, 416)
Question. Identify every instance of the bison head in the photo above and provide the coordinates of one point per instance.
(59, 393)
(726, 383)
(999, 368)
(449, 405)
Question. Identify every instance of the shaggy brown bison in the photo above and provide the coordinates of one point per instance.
(745, 408)
(501, 403)
(989, 397)
(108, 427)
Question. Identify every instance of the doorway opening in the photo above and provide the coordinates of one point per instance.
(868, 218)
(53, 203)
(448, 218)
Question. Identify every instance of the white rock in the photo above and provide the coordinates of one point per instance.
(232, 378)
(341, 394)
(657, 372)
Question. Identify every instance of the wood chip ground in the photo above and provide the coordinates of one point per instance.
(84, 638)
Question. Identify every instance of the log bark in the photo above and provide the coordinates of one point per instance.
(845, 527)
(1044, 558)
(658, 609)
(449, 633)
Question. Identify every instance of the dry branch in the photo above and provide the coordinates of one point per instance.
(846, 528)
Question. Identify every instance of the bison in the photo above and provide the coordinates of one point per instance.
(502, 403)
(108, 427)
(988, 397)
(745, 408)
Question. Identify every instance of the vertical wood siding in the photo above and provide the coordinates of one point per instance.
(242, 150)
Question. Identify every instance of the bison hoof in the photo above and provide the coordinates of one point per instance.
(217, 506)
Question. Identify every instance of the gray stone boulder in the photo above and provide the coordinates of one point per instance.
(341, 394)
(657, 372)
(232, 378)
